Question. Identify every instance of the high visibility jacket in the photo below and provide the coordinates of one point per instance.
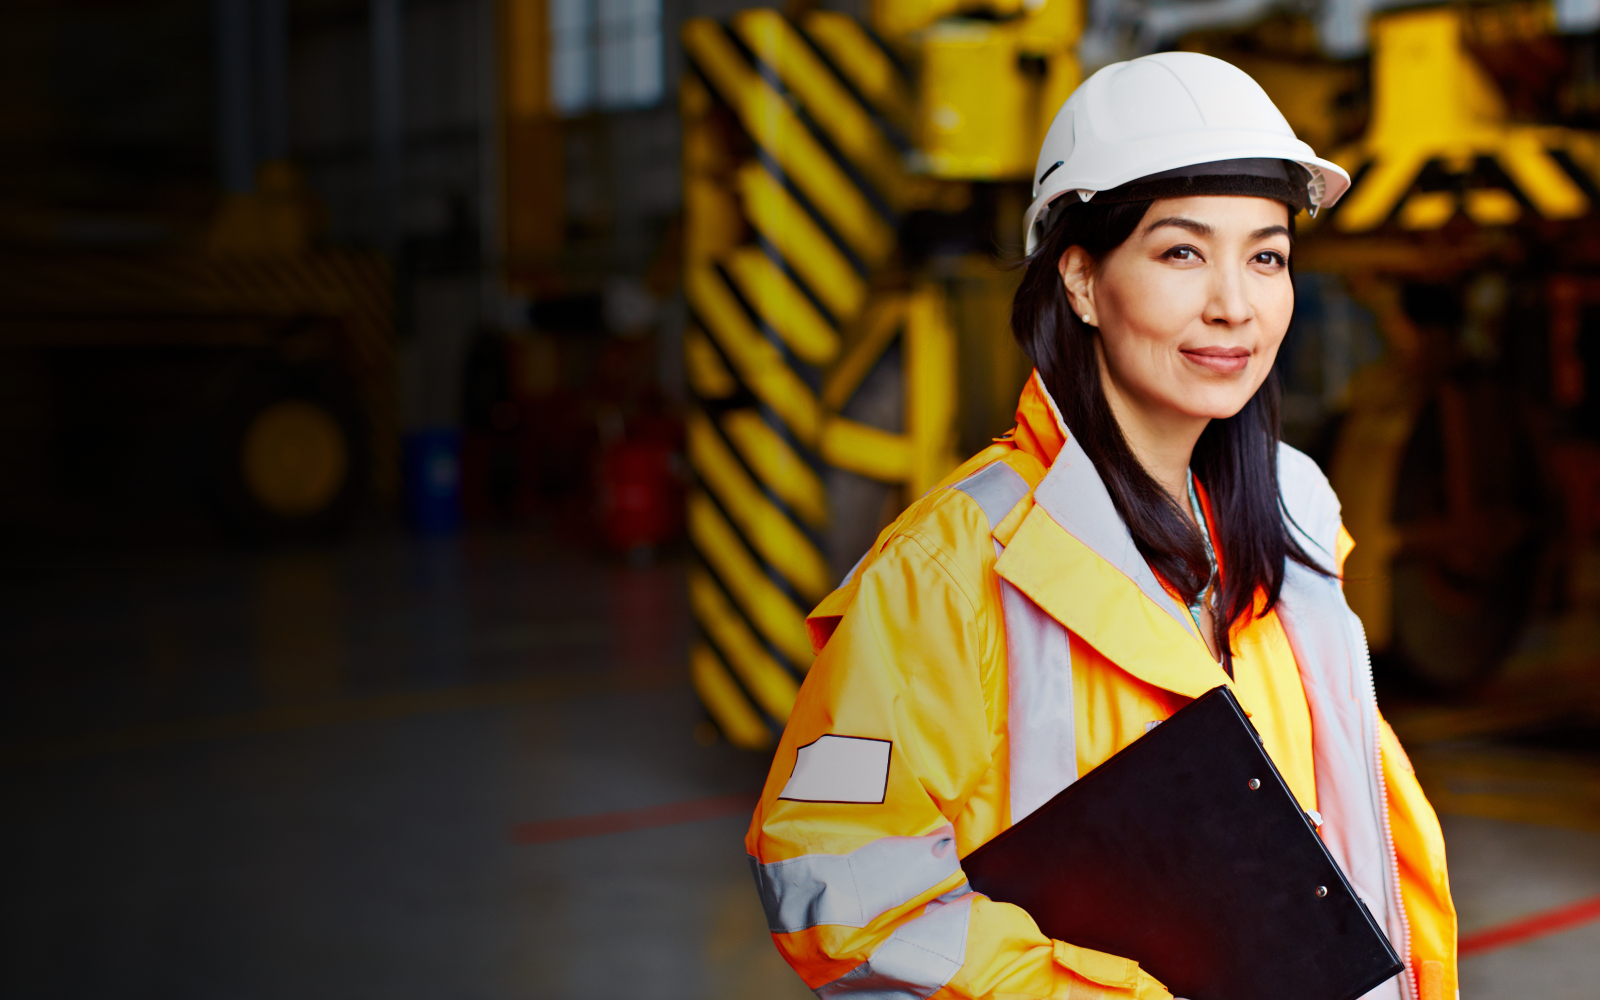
(1004, 636)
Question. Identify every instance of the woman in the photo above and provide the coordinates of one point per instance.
(1138, 538)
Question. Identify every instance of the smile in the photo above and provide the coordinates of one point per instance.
(1222, 360)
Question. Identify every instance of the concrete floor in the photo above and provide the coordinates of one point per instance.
(296, 774)
(1501, 871)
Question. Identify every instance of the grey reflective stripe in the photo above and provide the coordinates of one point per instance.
(919, 958)
(853, 889)
(1330, 650)
(1041, 724)
(1074, 496)
(996, 488)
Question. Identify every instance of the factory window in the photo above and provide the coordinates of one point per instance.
(605, 55)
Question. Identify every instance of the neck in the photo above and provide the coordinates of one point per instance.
(1162, 440)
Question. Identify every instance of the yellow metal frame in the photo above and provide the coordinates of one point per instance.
(1432, 103)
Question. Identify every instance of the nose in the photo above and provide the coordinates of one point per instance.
(1228, 304)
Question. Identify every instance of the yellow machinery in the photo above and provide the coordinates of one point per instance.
(806, 147)
(989, 87)
(304, 416)
(164, 355)
(1435, 109)
(1443, 178)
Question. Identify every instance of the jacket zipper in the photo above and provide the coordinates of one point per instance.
(1413, 989)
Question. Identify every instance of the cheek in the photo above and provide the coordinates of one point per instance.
(1274, 312)
(1154, 309)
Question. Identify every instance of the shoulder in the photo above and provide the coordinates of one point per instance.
(942, 540)
(1309, 502)
(957, 517)
(960, 515)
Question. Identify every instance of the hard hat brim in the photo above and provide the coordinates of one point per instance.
(1329, 181)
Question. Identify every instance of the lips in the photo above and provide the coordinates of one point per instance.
(1222, 360)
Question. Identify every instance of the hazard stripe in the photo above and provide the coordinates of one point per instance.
(727, 628)
(754, 359)
(810, 114)
(772, 686)
(793, 481)
(788, 228)
(806, 115)
(867, 67)
(773, 125)
(726, 701)
(832, 113)
(779, 309)
(821, 198)
(765, 526)
(778, 581)
(774, 612)
(829, 104)
(790, 476)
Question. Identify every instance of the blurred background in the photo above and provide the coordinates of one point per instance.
(425, 424)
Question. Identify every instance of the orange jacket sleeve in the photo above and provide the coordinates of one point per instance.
(1420, 857)
(881, 783)
(1424, 882)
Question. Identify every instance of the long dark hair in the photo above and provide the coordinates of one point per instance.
(1236, 459)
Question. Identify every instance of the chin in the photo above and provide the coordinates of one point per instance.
(1212, 408)
(1216, 399)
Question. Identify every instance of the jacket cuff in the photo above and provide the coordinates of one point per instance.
(1108, 976)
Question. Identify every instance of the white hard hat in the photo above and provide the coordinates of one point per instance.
(1174, 117)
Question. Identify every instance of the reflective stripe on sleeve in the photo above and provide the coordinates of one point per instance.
(853, 889)
(996, 488)
(918, 959)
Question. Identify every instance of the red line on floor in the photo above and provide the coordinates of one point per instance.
(1538, 925)
(574, 827)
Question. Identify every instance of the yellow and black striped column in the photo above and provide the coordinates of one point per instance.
(793, 188)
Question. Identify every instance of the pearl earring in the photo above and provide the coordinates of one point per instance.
(1086, 317)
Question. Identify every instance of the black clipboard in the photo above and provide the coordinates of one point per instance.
(1187, 853)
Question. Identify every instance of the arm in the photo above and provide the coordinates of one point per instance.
(866, 897)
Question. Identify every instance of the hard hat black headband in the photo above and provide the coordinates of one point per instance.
(1282, 180)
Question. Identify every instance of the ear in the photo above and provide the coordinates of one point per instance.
(1077, 277)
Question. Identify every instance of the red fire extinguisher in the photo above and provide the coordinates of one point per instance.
(640, 494)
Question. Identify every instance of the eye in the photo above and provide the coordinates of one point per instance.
(1271, 258)
(1184, 252)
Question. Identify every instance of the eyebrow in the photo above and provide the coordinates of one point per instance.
(1201, 229)
(1198, 228)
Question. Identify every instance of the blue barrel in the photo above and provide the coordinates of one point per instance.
(432, 467)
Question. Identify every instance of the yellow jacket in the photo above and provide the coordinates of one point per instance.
(1002, 637)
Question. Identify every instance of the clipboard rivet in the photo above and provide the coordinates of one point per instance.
(1322, 890)
(1255, 783)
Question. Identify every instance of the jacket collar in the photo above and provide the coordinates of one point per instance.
(1074, 557)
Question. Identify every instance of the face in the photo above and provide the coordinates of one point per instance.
(1191, 308)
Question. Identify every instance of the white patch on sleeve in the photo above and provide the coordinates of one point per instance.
(840, 769)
